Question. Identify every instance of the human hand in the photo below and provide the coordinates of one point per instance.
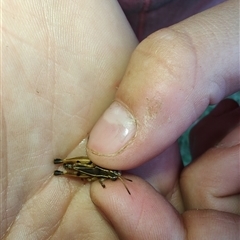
(172, 77)
(203, 200)
(60, 208)
(62, 64)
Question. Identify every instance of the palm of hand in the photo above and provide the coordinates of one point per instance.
(57, 82)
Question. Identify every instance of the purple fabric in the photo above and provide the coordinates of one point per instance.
(147, 16)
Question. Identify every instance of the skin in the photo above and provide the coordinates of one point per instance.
(57, 81)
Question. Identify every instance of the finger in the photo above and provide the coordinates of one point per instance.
(213, 180)
(147, 215)
(208, 224)
(144, 214)
(172, 77)
(211, 130)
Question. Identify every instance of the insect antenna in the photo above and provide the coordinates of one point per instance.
(121, 179)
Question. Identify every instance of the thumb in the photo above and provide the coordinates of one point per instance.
(172, 77)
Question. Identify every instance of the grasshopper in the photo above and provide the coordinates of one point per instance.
(85, 169)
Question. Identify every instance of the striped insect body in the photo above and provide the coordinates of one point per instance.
(85, 169)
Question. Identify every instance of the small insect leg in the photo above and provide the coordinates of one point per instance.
(101, 182)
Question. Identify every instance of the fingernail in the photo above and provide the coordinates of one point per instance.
(113, 131)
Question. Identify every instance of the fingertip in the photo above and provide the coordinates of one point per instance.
(113, 131)
(144, 214)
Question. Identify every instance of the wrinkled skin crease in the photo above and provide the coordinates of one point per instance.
(62, 65)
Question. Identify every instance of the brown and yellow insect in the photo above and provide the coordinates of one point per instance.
(84, 168)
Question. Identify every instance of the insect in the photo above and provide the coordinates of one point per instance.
(85, 169)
